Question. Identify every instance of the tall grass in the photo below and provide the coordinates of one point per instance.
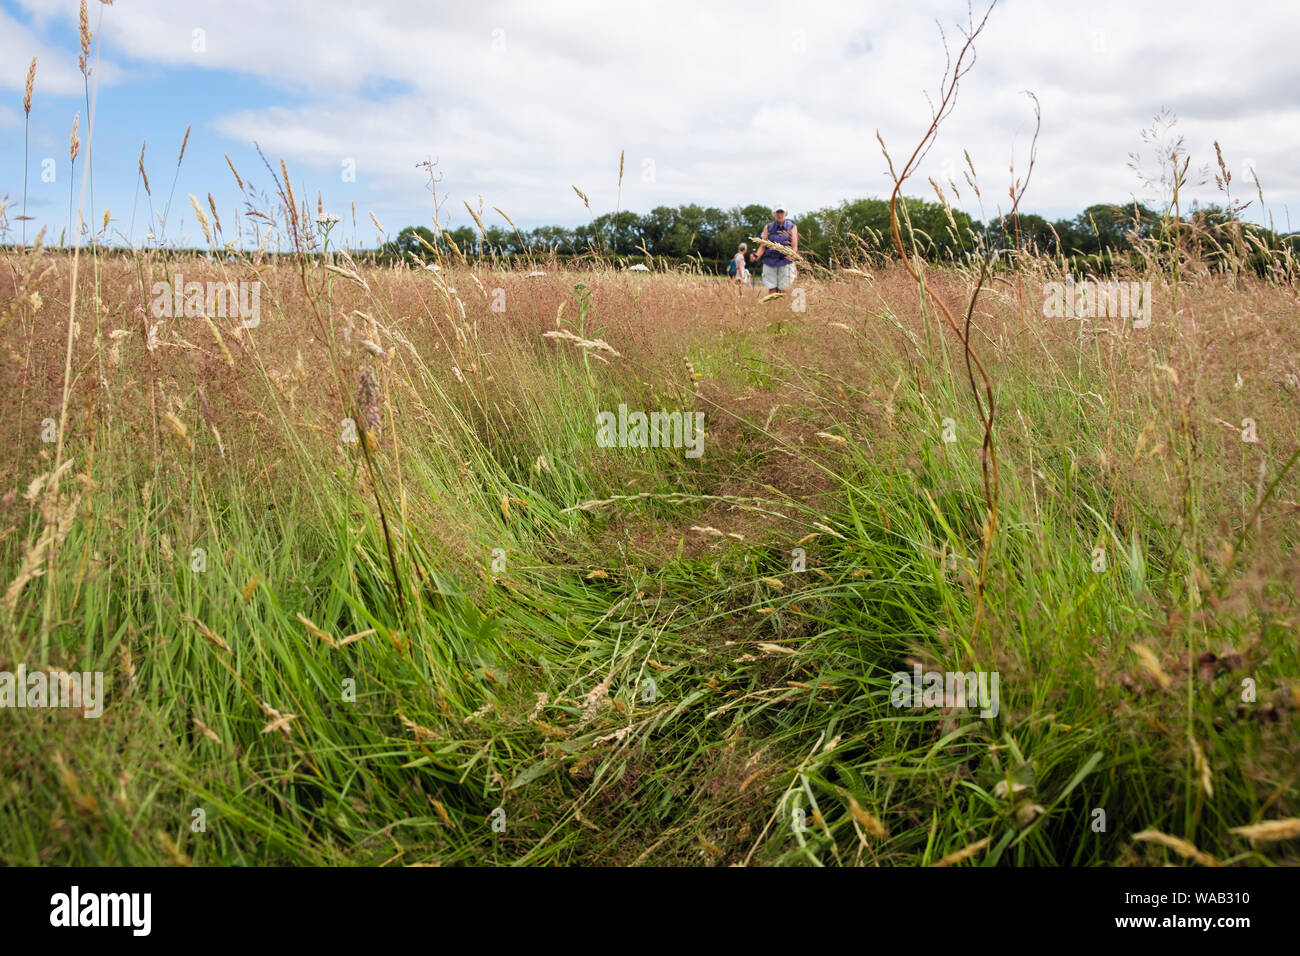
(366, 589)
(284, 691)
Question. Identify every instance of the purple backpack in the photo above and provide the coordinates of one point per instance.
(778, 233)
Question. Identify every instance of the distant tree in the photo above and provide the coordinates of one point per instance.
(587, 238)
(552, 238)
(1070, 239)
(500, 242)
(1101, 227)
(842, 228)
(845, 225)
(715, 224)
(619, 234)
(654, 227)
(627, 233)
(742, 224)
(1035, 234)
(754, 218)
(683, 238)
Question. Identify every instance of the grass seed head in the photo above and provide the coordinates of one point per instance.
(31, 84)
(368, 400)
(143, 175)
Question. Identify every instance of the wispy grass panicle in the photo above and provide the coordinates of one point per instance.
(27, 123)
(74, 148)
(216, 218)
(238, 179)
(87, 69)
(141, 178)
(180, 158)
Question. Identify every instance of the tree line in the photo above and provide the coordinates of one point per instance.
(849, 232)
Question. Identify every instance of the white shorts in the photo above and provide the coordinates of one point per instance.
(778, 277)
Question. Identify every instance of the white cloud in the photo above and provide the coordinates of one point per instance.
(519, 101)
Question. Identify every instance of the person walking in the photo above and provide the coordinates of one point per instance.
(739, 271)
(778, 266)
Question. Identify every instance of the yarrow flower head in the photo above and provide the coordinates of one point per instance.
(326, 219)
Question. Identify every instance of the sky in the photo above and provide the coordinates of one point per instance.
(517, 103)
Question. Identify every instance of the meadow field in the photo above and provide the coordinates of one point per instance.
(367, 586)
